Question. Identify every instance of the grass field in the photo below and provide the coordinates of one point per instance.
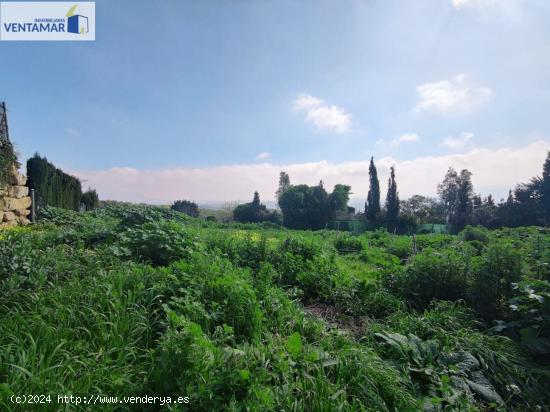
(133, 301)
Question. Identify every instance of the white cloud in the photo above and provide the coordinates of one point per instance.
(404, 138)
(457, 142)
(263, 156)
(323, 116)
(494, 171)
(456, 96)
(474, 4)
(409, 137)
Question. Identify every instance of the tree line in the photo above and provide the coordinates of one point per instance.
(53, 187)
(457, 205)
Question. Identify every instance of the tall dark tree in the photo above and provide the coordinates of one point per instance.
(545, 188)
(373, 197)
(256, 202)
(392, 198)
(284, 184)
(52, 186)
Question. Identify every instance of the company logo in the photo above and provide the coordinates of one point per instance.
(47, 21)
(76, 22)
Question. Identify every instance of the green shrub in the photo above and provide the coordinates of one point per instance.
(211, 292)
(317, 280)
(156, 243)
(400, 246)
(529, 322)
(435, 275)
(297, 246)
(494, 274)
(348, 244)
(477, 233)
(359, 298)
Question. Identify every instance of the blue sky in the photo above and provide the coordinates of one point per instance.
(233, 91)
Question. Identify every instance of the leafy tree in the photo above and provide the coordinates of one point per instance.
(90, 199)
(392, 198)
(373, 198)
(284, 184)
(339, 198)
(254, 212)
(485, 214)
(305, 207)
(456, 193)
(425, 209)
(476, 201)
(448, 193)
(187, 207)
(464, 202)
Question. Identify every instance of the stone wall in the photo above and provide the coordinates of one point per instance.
(14, 200)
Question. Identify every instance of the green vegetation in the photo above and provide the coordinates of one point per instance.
(254, 212)
(187, 207)
(52, 186)
(8, 159)
(8, 156)
(135, 300)
(90, 199)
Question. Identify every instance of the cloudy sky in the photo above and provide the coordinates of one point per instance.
(209, 100)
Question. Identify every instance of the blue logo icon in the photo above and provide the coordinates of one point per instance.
(75, 22)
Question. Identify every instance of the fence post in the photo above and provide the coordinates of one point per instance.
(33, 207)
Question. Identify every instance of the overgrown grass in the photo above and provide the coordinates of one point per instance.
(134, 300)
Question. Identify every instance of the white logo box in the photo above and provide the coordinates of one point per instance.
(47, 21)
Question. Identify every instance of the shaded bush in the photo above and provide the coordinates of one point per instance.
(475, 233)
(494, 274)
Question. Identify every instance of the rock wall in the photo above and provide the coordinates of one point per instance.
(14, 201)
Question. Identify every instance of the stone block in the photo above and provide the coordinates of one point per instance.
(11, 223)
(8, 216)
(16, 178)
(11, 203)
(18, 191)
(22, 212)
(23, 221)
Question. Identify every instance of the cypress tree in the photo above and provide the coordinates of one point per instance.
(392, 198)
(373, 197)
(256, 206)
(545, 188)
(52, 186)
